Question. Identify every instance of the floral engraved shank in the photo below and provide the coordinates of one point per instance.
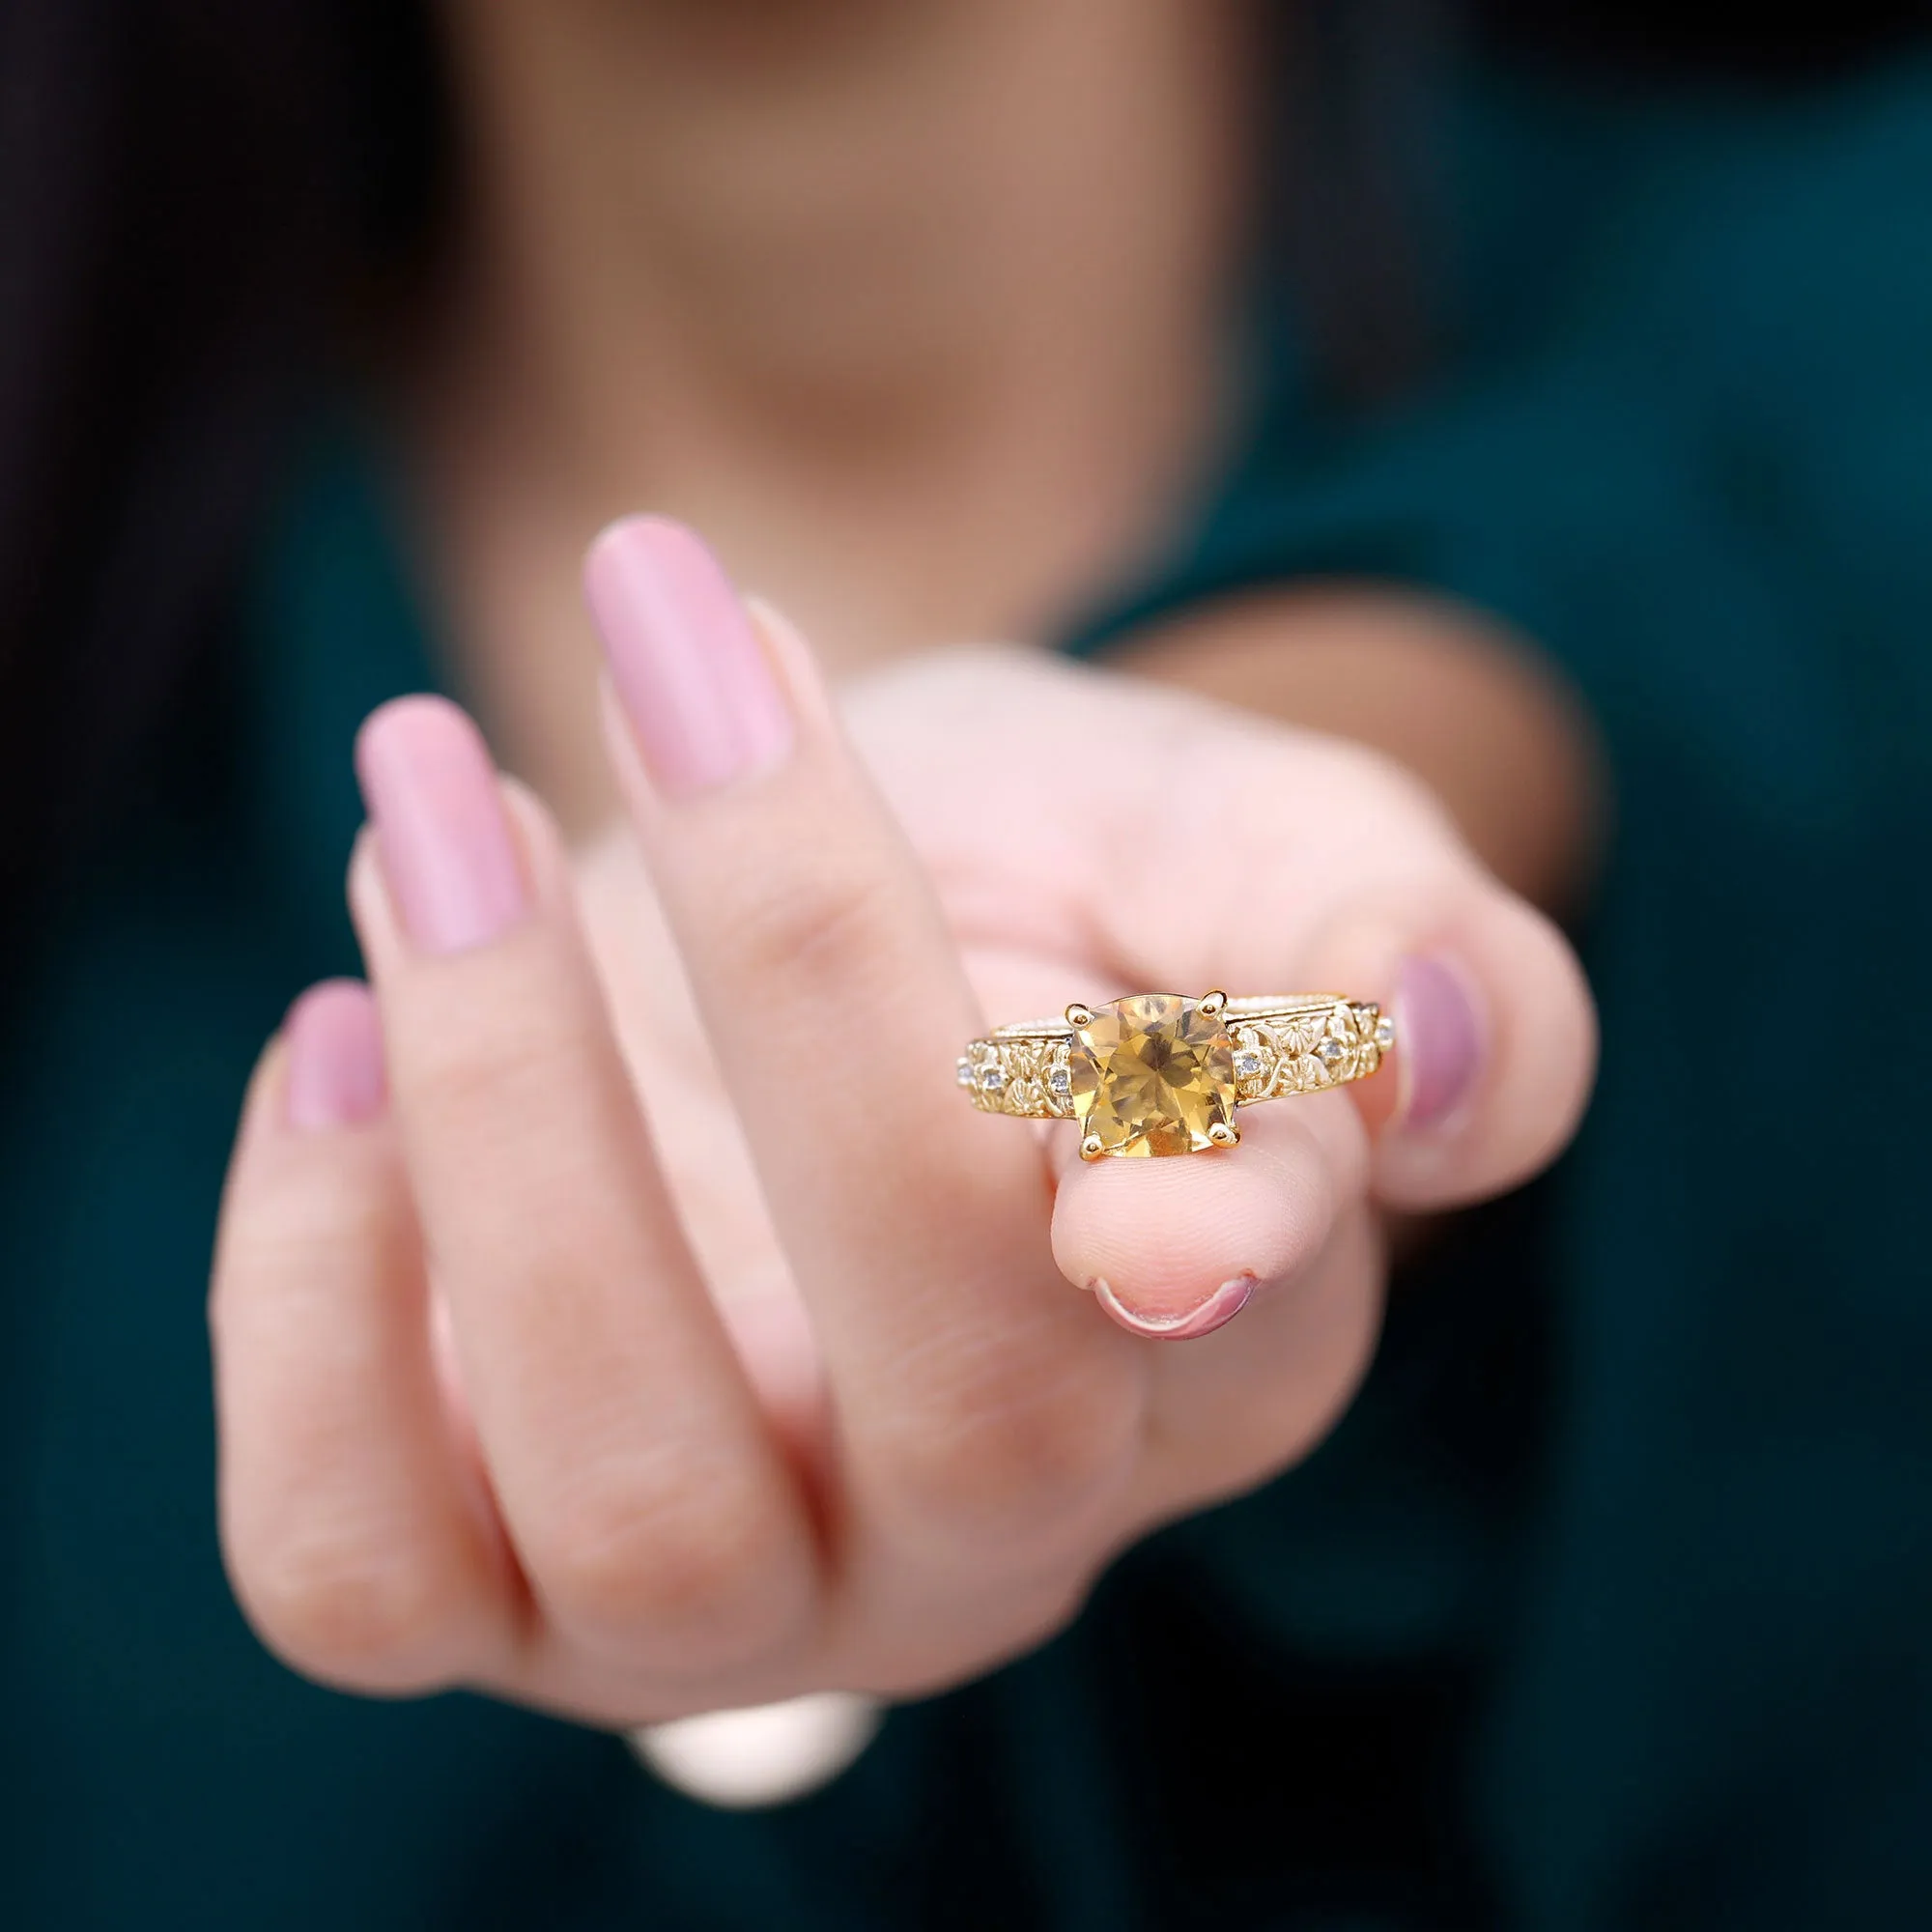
(1024, 1073)
(1302, 1052)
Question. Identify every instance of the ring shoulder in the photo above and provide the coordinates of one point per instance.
(1305, 1044)
(1021, 1070)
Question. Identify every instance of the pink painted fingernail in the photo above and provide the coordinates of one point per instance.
(335, 1057)
(694, 680)
(1182, 1325)
(448, 854)
(1439, 1039)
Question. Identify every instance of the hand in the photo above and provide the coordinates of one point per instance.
(884, 1445)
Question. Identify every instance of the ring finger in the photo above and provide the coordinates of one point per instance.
(649, 1508)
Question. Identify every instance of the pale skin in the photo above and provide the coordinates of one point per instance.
(602, 1366)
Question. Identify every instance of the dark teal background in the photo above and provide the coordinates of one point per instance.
(1607, 1605)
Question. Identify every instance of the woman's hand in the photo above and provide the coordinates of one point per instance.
(786, 1392)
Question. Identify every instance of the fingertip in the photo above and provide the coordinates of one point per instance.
(1495, 1055)
(696, 681)
(317, 1068)
(335, 1076)
(430, 787)
(627, 563)
(405, 728)
(1173, 1247)
(1443, 1041)
(612, 552)
(1219, 1309)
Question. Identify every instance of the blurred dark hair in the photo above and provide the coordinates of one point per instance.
(198, 197)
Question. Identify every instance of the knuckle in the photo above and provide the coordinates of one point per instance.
(1388, 806)
(664, 1553)
(347, 1609)
(1010, 1451)
(500, 1065)
(302, 1234)
(309, 1217)
(821, 922)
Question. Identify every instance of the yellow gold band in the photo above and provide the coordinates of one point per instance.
(1232, 1051)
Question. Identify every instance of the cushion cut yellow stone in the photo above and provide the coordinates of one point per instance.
(1151, 1074)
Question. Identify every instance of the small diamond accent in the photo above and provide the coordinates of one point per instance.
(991, 1079)
(1058, 1080)
(1384, 1033)
(1330, 1051)
(1247, 1063)
(965, 1072)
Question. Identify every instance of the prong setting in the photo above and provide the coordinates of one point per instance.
(1092, 1148)
(1224, 1133)
(1211, 1004)
(1079, 1015)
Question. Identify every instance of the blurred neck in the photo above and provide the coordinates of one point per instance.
(910, 303)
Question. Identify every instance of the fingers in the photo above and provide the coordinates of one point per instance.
(648, 1508)
(970, 1390)
(355, 1540)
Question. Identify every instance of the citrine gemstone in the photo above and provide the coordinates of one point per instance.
(1152, 1075)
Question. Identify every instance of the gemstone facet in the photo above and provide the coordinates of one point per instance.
(1152, 1075)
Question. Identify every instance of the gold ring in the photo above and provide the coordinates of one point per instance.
(1154, 1074)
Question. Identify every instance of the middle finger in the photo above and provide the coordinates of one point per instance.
(981, 1408)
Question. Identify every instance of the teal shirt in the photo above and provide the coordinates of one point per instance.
(1606, 1605)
